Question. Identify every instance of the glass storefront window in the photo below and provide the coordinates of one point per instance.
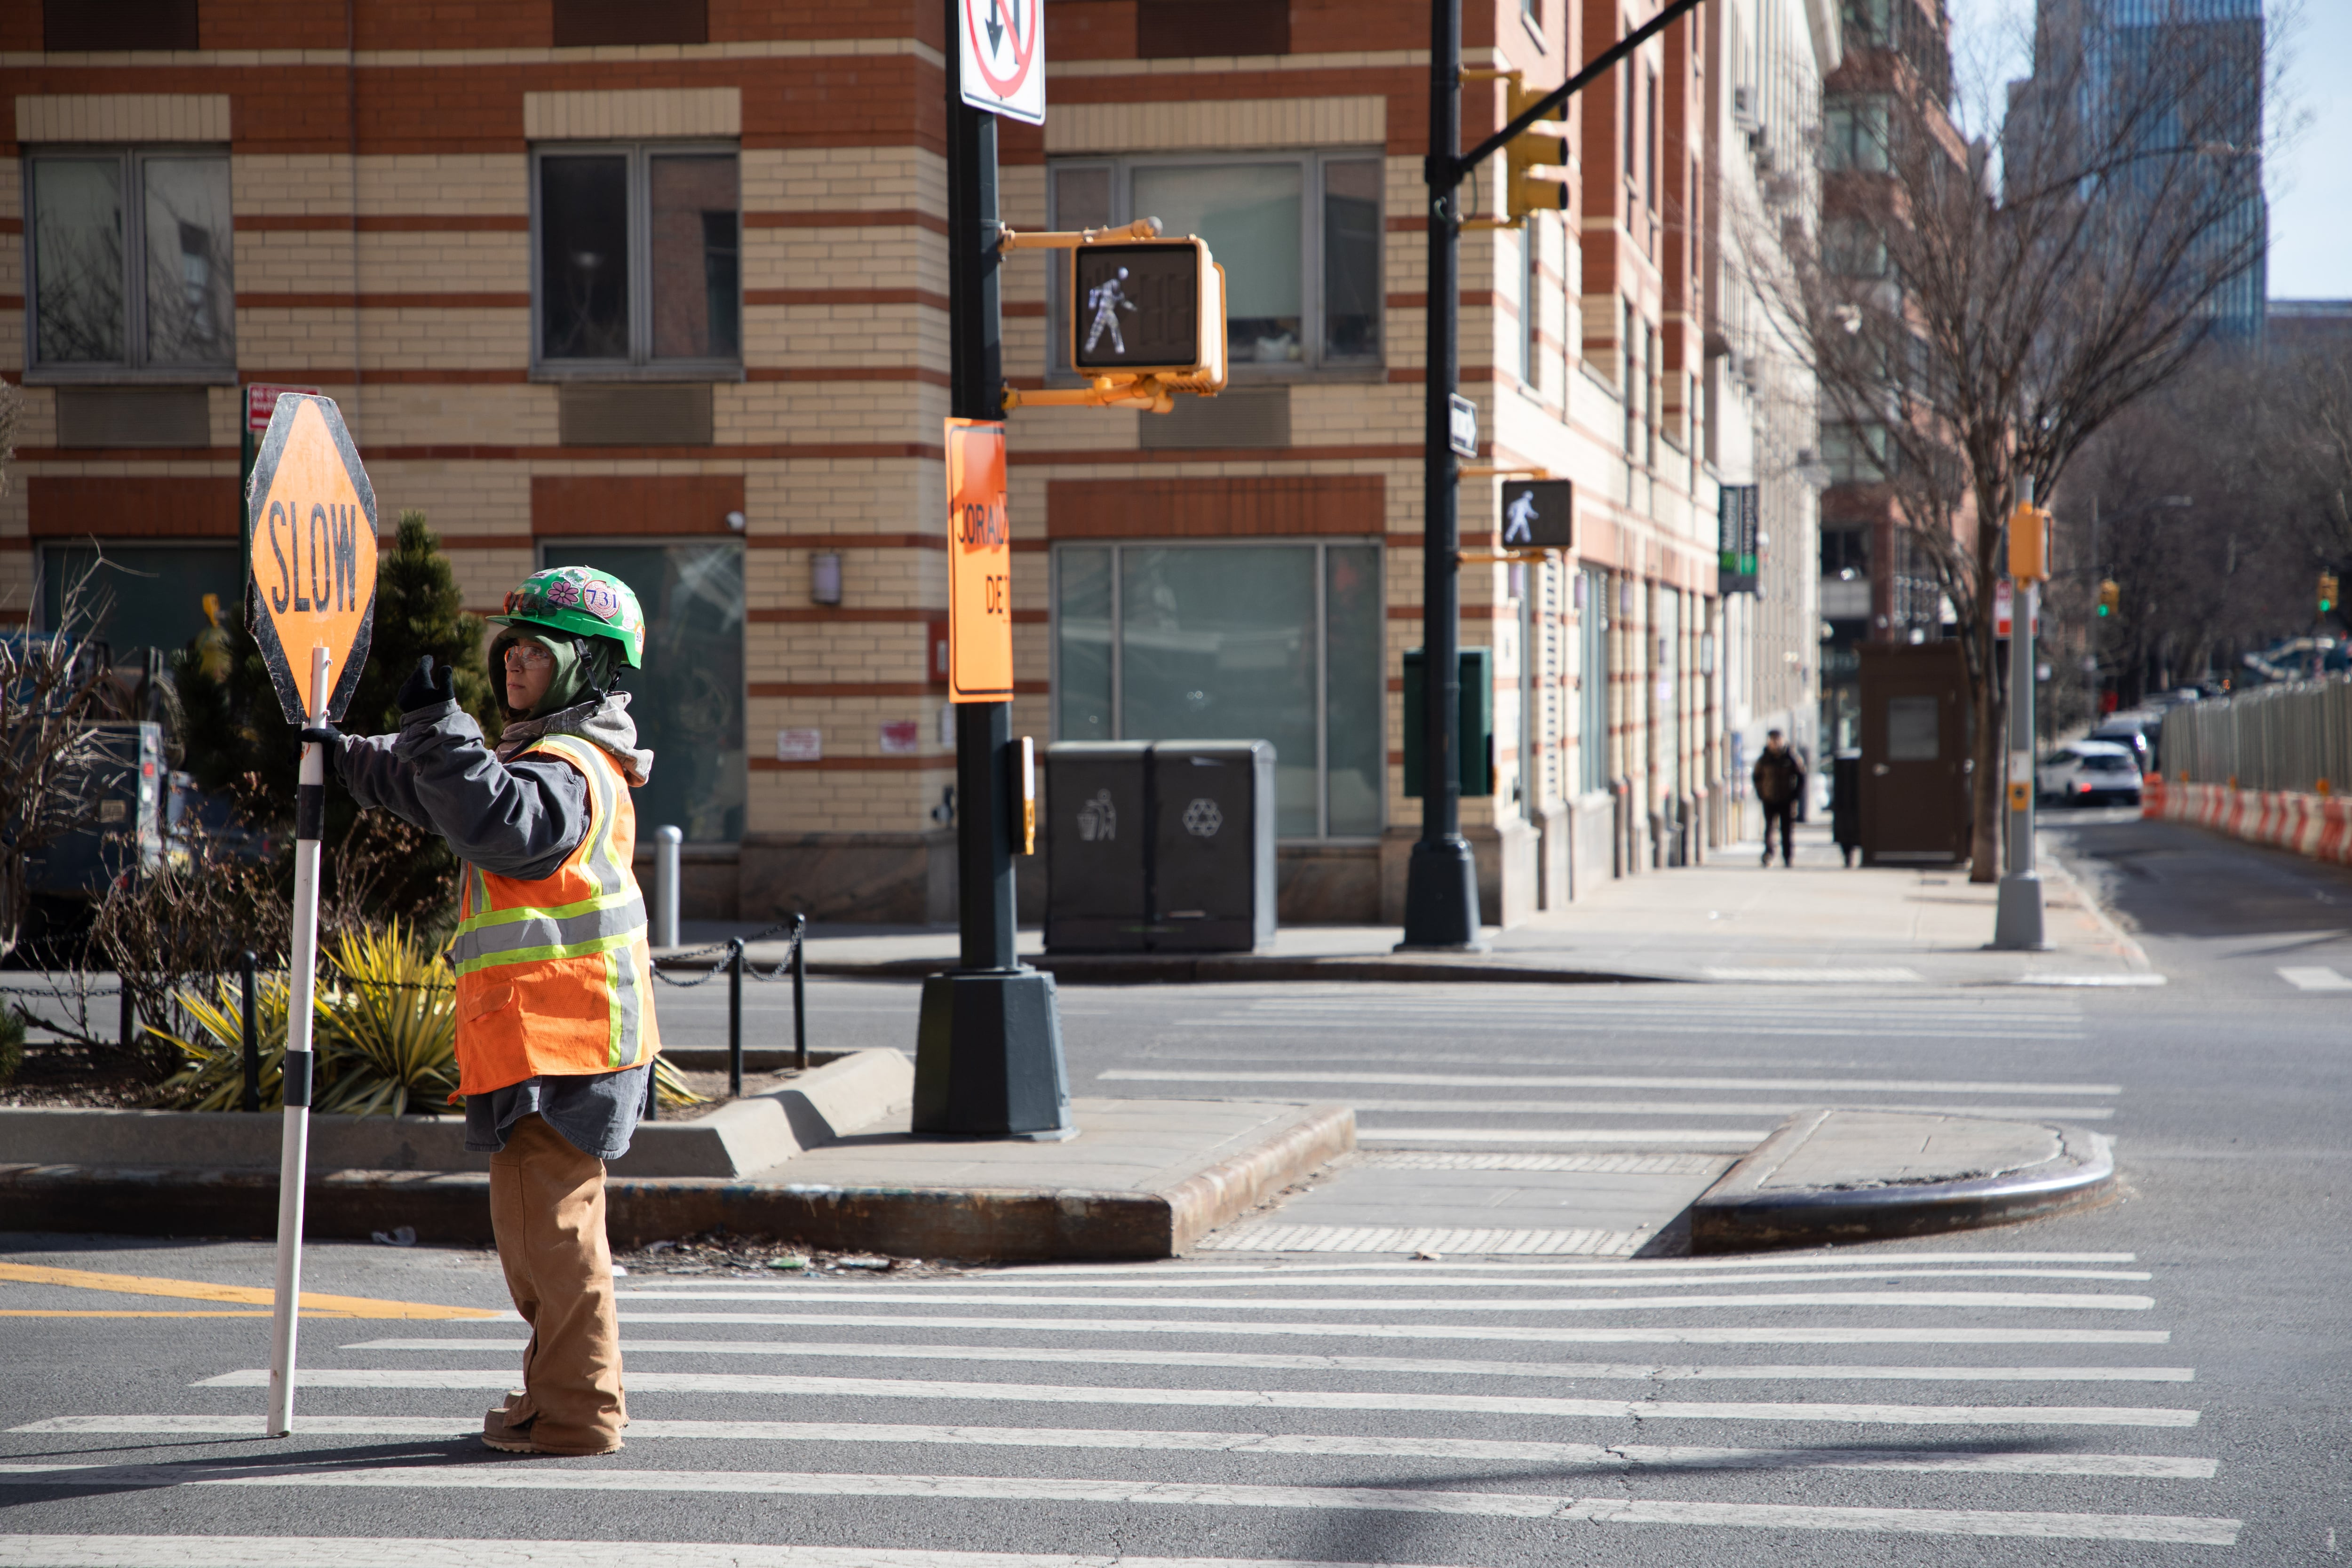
(688, 700)
(1276, 642)
(142, 596)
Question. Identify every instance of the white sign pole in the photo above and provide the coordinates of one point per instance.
(294, 1152)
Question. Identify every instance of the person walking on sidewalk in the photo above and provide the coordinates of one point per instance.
(1779, 780)
(556, 1037)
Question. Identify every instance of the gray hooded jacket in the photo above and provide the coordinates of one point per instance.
(513, 816)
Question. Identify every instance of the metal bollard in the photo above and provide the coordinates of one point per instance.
(252, 1036)
(735, 1018)
(129, 1012)
(665, 843)
(800, 985)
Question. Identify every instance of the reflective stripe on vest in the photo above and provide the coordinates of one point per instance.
(551, 974)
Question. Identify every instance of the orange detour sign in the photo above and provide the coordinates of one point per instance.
(980, 564)
(311, 517)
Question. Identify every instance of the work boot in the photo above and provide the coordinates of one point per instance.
(508, 1428)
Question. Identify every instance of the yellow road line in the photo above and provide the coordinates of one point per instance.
(197, 1290)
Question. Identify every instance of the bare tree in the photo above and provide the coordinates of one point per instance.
(55, 686)
(1973, 317)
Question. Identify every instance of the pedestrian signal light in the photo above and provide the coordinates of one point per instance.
(1537, 159)
(1155, 308)
(2111, 598)
(2029, 543)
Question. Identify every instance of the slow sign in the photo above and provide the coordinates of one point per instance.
(980, 564)
(310, 516)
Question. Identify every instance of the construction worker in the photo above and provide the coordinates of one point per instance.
(555, 1021)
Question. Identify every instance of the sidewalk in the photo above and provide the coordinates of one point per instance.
(1730, 920)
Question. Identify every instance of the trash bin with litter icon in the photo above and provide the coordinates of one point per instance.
(1159, 846)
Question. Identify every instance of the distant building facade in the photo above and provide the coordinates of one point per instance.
(663, 290)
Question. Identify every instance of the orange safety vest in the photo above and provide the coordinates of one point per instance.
(555, 976)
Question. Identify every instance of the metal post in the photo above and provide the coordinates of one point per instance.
(665, 842)
(2017, 914)
(129, 1011)
(310, 818)
(246, 961)
(1441, 900)
(800, 987)
(988, 1055)
(735, 1018)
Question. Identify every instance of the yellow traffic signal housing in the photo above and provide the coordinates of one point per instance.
(1153, 308)
(1537, 160)
(2029, 543)
(2329, 598)
(2111, 597)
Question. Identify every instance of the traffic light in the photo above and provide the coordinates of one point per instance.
(1537, 160)
(2329, 598)
(1148, 308)
(2111, 597)
(2029, 543)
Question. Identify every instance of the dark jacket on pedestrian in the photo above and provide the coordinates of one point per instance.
(1779, 776)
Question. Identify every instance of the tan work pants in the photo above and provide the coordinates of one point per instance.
(547, 1209)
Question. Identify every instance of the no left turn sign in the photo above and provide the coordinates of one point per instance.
(1001, 48)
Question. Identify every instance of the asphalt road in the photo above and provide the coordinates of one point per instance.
(2158, 1381)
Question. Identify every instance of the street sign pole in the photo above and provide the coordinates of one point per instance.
(2016, 910)
(294, 1148)
(1441, 897)
(988, 1057)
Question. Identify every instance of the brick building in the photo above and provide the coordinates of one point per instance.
(664, 288)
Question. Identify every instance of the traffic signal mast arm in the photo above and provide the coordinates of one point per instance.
(1549, 103)
(1071, 238)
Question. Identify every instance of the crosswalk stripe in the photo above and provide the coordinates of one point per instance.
(1600, 1276)
(1449, 1241)
(1597, 1081)
(1730, 1140)
(1981, 1522)
(1883, 975)
(1451, 1333)
(1062, 1356)
(1260, 1398)
(1619, 1455)
(2023, 1300)
(397, 1552)
(1703, 1107)
(1845, 1258)
(2314, 978)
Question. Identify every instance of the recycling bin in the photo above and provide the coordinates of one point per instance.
(1159, 846)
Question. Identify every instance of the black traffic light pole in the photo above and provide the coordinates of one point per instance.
(1440, 905)
(988, 1053)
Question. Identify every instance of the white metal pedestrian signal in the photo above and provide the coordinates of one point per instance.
(1000, 49)
(1539, 514)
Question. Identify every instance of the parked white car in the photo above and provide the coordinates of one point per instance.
(2089, 772)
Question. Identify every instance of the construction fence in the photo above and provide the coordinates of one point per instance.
(2295, 736)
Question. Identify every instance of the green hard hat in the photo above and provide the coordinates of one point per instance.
(583, 601)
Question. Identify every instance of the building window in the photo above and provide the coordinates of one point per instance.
(1298, 236)
(132, 264)
(688, 700)
(1530, 305)
(1854, 247)
(1857, 134)
(1858, 454)
(639, 260)
(133, 594)
(1275, 642)
(1592, 695)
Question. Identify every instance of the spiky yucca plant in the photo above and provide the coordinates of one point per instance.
(390, 1024)
(212, 1076)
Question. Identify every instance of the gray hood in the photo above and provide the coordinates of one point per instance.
(603, 719)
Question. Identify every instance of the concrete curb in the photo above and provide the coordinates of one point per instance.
(982, 1225)
(754, 1133)
(1740, 1213)
(1186, 969)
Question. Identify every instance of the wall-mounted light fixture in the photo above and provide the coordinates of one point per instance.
(825, 578)
(736, 521)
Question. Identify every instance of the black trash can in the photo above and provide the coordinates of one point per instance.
(1159, 846)
(1845, 802)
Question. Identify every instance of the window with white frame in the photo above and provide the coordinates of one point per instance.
(639, 259)
(1859, 454)
(1274, 640)
(1299, 235)
(132, 273)
(1530, 304)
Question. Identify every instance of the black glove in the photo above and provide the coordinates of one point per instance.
(427, 686)
(327, 735)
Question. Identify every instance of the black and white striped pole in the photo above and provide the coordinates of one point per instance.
(294, 1148)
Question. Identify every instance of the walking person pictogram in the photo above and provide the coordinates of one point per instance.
(1106, 299)
(1518, 518)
